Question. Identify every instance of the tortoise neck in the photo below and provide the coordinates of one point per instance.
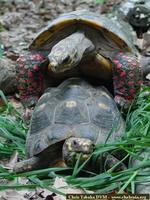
(83, 44)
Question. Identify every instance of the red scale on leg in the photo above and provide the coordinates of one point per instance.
(132, 91)
(122, 90)
(116, 61)
(119, 66)
(30, 74)
(131, 74)
(123, 74)
(130, 83)
(36, 67)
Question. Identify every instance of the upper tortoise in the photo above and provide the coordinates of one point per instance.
(80, 43)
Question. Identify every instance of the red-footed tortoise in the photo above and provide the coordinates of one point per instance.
(80, 43)
(69, 120)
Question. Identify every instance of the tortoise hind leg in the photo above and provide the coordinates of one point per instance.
(30, 71)
(27, 165)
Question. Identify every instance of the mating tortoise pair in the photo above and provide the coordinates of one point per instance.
(75, 115)
(80, 43)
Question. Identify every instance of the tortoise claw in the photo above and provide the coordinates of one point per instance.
(27, 114)
(29, 101)
(121, 102)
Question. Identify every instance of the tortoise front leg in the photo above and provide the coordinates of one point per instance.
(27, 165)
(30, 72)
(127, 78)
(107, 161)
(111, 161)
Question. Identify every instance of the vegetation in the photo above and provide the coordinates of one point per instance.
(136, 139)
(1, 28)
(1, 50)
(12, 130)
(100, 1)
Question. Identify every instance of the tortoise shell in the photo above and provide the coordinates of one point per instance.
(68, 23)
(74, 108)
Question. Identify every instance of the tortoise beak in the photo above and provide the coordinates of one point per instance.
(52, 65)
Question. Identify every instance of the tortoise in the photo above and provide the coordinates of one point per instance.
(68, 120)
(137, 13)
(84, 44)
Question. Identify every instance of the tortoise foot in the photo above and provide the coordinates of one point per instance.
(26, 165)
(29, 101)
(111, 161)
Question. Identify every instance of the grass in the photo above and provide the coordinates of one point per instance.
(13, 132)
(138, 120)
(104, 182)
(1, 50)
(100, 1)
(2, 28)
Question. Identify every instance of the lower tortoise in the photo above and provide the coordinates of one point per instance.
(69, 120)
(80, 43)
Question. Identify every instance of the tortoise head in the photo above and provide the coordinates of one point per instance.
(67, 53)
(64, 56)
(73, 147)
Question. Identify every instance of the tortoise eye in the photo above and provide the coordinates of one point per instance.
(66, 59)
(74, 143)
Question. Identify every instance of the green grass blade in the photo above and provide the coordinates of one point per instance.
(40, 183)
(128, 182)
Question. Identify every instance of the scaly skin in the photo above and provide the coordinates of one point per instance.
(30, 74)
(127, 78)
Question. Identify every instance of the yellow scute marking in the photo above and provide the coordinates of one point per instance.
(102, 105)
(71, 104)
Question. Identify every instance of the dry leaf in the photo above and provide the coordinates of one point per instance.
(11, 195)
(62, 186)
(59, 182)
